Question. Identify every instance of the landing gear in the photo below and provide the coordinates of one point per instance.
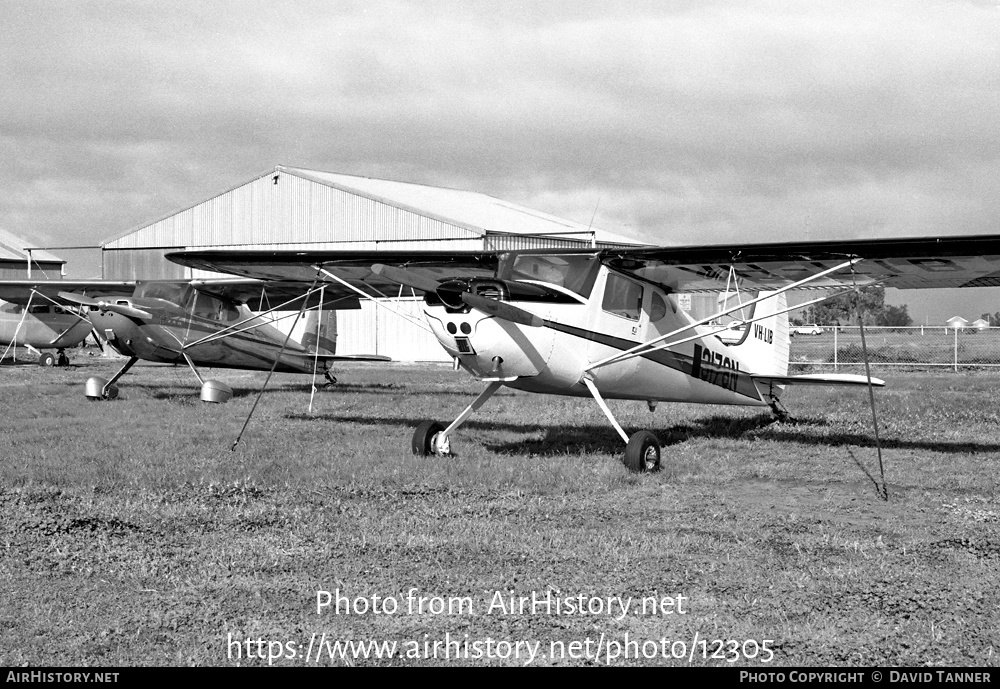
(61, 358)
(430, 438)
(425, 437)
(642, 450)
(330, 378)
(642, 453)
(47, 359)
(98, 388)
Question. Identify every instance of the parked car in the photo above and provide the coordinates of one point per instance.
(807, 329)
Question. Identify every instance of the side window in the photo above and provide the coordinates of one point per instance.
(657, 309)
(622, 297)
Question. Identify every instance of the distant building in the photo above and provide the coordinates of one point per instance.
(293, 208)
(14, 263)
(957, 323)
(980, 324)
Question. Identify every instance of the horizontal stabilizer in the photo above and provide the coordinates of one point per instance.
(819, 379)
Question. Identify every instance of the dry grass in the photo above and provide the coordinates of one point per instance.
(133, 536)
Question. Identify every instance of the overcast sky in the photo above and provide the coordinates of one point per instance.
(679, 122)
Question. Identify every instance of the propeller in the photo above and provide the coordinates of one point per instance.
(502, 310)
(122, 309)
(491, 306)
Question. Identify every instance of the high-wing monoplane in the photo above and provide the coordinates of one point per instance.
(223, 323)
(29, 318)
(606, 323)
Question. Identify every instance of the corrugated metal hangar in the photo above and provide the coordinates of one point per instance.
(295, 208)
(17, 264)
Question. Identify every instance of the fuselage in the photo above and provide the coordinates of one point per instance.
(605, 313)
(42, 326)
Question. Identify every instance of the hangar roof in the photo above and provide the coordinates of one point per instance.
(12, 249)
(475, 211)
(292, 206)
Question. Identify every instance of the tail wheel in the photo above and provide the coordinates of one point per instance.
(46, 359)
(642, 452)
(423, 437)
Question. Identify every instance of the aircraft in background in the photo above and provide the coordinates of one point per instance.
(30, 319)
(208, 323)
(606, 323)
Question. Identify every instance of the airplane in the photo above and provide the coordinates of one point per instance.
(606, 323)
(30, 319)
(201, 323)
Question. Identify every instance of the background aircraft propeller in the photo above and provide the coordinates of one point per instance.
(122, 309)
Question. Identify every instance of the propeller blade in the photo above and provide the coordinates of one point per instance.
(78, 299)
(129, 311)
(503, 310)
(122, 309)
(406, 277)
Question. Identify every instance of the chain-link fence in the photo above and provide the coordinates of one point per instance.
(840, 347)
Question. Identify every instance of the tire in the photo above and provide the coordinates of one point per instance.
(46, 359)
(642, 453)
(423, 438)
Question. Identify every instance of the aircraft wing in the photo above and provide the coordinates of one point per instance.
(354, 267)
(21, 291)
(912, 263)
(262, 295)
(915, 263)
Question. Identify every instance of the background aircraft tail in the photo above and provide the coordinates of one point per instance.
(321, 329)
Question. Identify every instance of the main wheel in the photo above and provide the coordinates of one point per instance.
(642, 452)
(46, 359)
(423, 437)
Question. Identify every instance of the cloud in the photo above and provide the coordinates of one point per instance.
(715, 121)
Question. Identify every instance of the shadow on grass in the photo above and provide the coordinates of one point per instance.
(562, 439)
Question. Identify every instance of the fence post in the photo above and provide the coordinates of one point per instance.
(956, 350)
(835, 329)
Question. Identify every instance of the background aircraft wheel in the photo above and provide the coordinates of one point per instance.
(62, 360)
(642, 452)
(46, 359)
(112, 393)
(423, 437)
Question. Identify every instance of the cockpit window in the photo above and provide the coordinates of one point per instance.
(575, 273)
(207, 306)
(174, 292)
(622, 297)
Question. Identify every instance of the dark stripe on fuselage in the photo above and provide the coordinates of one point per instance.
(697, 367)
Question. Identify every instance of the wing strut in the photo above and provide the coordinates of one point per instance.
(273, 366)
(319, 326)
(883, 489)
(13, 342)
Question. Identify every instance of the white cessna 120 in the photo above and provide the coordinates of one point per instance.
(606, 323)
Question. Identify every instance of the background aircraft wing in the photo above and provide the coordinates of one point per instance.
(901, 263)
(20, 291)
(352, 266)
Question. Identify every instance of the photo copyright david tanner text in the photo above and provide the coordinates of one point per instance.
(599, 647)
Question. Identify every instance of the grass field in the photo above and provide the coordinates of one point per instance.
(131, 535)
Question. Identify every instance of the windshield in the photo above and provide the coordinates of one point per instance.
(575, 273)
(174, 292)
